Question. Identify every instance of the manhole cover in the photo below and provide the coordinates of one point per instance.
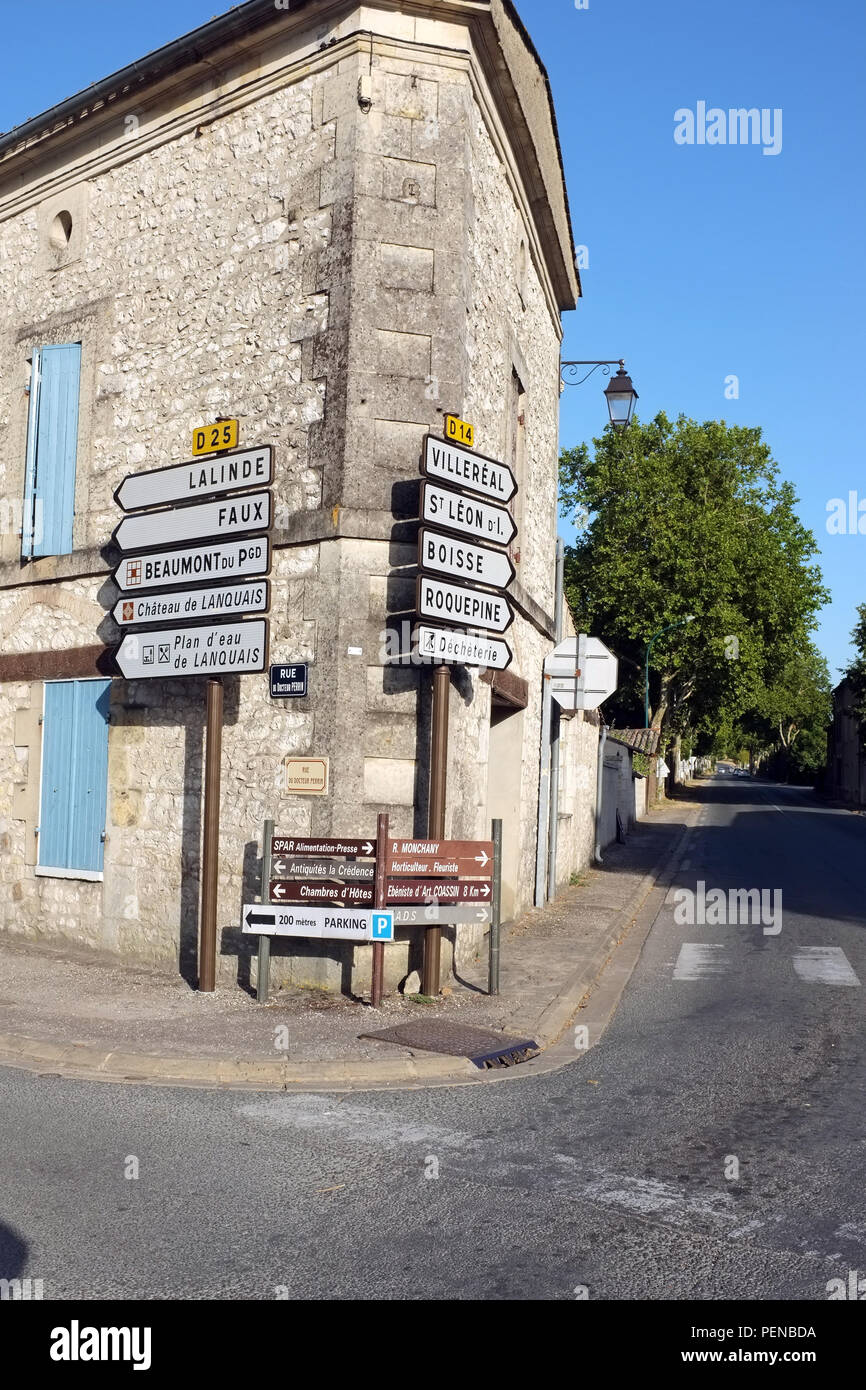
(483, 1046)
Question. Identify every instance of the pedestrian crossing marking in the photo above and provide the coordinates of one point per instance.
(697, 960)
(815, 965)
(824, 965)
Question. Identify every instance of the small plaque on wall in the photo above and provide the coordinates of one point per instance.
(307, 776)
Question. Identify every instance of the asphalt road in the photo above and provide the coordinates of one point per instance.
(710, 1146)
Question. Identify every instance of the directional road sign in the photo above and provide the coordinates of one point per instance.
(187, 482)
(445, 644)
(199, 649)
(359, 893)
(439, 598)
(437, 858)
(195, 564)
(229, 516)
(483, 520)
(194, 603)
(442, 554)
(285, 844)
(291, 866)
(350, 924)
(581, 672)
(449, 463)
(414, 890)
(443, 914)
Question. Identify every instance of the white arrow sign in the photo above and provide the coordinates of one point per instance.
(297, 919)
(251, 512)
(581, 672)
(195, 564)
(194, 603)
(446, 644)
(455, 512)
(448, 463)
(195, 650)
(186, 482)
(446, 914)
(438, 599)
(446, 555)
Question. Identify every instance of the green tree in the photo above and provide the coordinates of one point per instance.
(678, 518)
(856, 672)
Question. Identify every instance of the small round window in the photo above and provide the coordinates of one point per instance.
(61, 231)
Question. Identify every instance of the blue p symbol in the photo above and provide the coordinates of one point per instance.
(383, 926)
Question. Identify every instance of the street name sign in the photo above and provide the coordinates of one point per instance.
(195, 564)
(482, 564)
(448, 463)
(438, 598)
(229, 516)
(194, 603)
(581, 672)
(350, 924)
(445, 644)
(473, 858)
(186, 482)
(411, 890)
(198, 649)
(289, 682)
(290, 866)
(307, 776)
(222, 434)
(485, 521)
(281, 892)
(285, 844)
(442, 914)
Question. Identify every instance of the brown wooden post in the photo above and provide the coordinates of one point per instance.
(211, 837)
(436, 811)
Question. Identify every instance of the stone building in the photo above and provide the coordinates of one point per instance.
(336, 222)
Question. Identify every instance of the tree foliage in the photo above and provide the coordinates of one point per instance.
(856, 672)
(677, 518)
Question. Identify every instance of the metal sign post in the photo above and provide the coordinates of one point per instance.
(493, 963)
(211, 837)
(264, 970)
(436, 812)
(379, 898)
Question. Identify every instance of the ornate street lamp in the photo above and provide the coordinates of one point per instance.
(620, 393)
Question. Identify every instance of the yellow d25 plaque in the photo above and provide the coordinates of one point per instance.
(459, 430)
(210, 439)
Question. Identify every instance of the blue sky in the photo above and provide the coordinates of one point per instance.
(704, 261)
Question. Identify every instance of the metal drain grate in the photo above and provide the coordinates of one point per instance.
(483, 1046)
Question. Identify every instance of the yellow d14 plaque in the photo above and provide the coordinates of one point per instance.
(209, 439)
(459, 430)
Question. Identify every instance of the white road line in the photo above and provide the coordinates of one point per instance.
(698, 960)
(824, 965)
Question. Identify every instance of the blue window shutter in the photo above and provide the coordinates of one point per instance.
(56, 442)
(74, 775)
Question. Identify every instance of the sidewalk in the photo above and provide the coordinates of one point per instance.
(78, 1015)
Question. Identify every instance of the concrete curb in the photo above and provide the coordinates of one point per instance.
(81, 1062)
